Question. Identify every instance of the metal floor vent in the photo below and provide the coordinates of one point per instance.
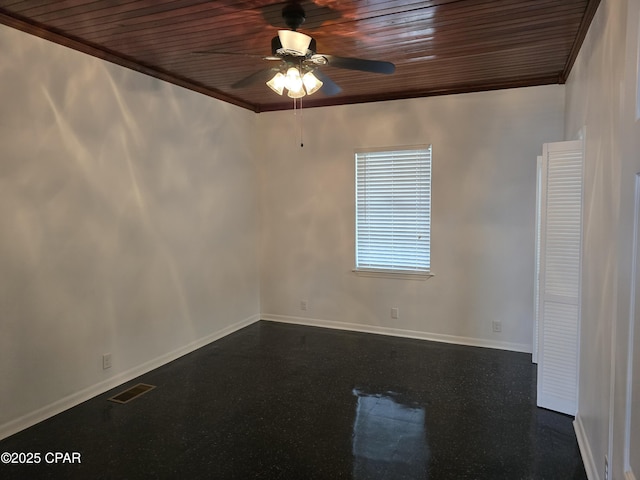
(131, 393)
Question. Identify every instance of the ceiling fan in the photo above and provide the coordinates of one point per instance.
(298, 71)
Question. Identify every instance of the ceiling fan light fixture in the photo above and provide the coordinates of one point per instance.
(292, 81)
(294, 43)
(277, 83)
(311, 83)
(296, 93)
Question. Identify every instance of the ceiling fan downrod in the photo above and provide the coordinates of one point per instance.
(293, 15)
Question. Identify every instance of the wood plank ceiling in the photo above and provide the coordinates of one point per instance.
(438, 46)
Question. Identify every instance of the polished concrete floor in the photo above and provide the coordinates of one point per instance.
(276, 401)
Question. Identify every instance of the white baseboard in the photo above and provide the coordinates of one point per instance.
(585, 450)
(397, 332)
(74, 399)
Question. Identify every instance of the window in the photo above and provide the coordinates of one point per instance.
(393, 210)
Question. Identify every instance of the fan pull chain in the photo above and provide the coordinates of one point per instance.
(301, 143)
(299, 117)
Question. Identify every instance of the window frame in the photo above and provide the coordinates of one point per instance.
(380, 271)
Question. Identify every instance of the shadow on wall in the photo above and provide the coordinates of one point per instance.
(127, 224)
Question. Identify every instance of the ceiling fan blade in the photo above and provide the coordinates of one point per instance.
(261, 75)
(373, 66)
(217, 52)
(236, 54)
(329, 87)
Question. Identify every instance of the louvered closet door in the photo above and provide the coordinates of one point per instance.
(559, 276)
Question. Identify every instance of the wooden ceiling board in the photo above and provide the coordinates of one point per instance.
(439, 46)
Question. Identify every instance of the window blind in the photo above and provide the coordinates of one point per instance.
(393, 210)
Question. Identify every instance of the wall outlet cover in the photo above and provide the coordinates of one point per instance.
(106, 361)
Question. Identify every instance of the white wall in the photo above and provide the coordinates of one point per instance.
(592, 93)
(128, 221)
(630, 167)
(484, 175)
(601, 94)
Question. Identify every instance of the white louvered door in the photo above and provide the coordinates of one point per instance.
(559, 275)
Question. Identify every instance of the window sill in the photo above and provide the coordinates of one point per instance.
(401, 275)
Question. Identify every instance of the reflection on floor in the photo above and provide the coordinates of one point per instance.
(388, 432)
(276, 401)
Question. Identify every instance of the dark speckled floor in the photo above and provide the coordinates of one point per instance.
(276, 401)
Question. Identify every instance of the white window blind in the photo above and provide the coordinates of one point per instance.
(393, 210)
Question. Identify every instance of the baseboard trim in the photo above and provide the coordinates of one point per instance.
(585, 449)
(74, 399)
(397, 332)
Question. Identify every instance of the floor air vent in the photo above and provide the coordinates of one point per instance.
(131, 393)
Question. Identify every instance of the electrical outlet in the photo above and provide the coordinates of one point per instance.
(497, 326)
(395, 313)
(106, 361)
(304, 304)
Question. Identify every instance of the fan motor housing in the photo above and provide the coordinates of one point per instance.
(276, 47)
